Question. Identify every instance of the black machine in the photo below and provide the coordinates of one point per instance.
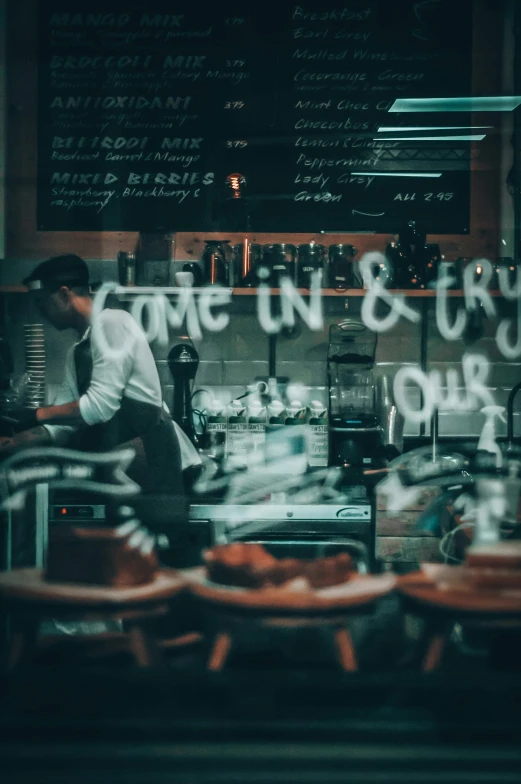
(183, 361)
(356, 435)
(413, 263)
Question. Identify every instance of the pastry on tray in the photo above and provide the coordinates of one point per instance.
(119, 556)
(249, 565)
(495, 567)
(501, 555)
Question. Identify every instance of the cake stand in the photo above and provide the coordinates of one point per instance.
(446, 595)
(29, 599)
(280, 607)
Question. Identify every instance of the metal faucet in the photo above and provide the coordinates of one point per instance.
(510, 412)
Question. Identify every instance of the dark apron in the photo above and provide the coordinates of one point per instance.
(157, 467)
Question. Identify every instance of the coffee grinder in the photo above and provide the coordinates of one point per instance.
(356, 437)
(183, 361)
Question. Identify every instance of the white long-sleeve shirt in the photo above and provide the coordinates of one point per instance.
(122, 366)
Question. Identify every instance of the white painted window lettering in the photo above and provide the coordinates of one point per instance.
(475, 291)
(443, 395)
(510, 292)
(269, 324)
(290, 301)
(508, 349)
(154, 309)
(203, 308)
(156, 312)
(376, 291)
(446, 330)
(212, 297)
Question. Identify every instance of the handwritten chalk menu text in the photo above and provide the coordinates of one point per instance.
(147, 108)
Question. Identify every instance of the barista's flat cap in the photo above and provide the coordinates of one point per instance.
(69, 270)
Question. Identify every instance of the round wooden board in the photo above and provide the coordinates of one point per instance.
(30, 585)
(357, 592)
(445, 587)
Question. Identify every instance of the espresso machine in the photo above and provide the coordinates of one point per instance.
(356, 433)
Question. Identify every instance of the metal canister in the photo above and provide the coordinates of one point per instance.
(280, 261)
(311, 258)
(341, 258)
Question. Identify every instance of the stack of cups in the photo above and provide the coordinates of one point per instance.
(34, 392)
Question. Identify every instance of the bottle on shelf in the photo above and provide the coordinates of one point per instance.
(276, 415)
(407, 258)
(318, 435)
(216, 430)
(237, 435)
(431, 265)
(295, 413)
(257, 418)
(276, 409)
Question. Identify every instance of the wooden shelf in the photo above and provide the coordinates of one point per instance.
(251, 292)
(362, 292)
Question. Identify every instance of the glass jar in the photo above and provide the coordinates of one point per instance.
(310, 260)
(246, 260)
(216, 255)
(341, 273)
(279, 259)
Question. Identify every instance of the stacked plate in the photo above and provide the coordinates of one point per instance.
(34, 391)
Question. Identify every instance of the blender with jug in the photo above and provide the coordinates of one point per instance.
(356, 436)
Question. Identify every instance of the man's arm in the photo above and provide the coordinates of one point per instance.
(64, 414)
(37, 436)
(113, 347)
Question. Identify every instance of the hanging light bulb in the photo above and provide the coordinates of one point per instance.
(235, 183)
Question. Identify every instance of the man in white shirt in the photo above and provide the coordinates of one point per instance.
(111, 392)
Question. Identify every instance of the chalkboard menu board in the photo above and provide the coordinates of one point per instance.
(146, 108)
